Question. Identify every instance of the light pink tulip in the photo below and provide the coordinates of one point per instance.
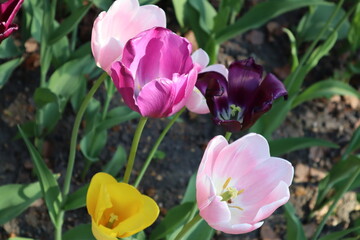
(156, 74)
(239, 184)
(197, 102)
(124, 20)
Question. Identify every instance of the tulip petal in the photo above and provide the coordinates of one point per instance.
(110, 52)
(102, 233)
(216, 212)
(238, 228)
(200, 57)
(219, 68)
(197, 103)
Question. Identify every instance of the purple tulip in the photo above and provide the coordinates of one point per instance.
(156, 74)
(237, 102)
(8, 11)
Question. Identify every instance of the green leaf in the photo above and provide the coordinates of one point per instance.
(93, 143)
(117, 162)
(49, 186)
(260, 14)
(16, 198)
(314, 21)
(294, 229)
(340, 173)
(76, 199)
(174, 218)
(206, 13)
(354, 32)
(285, 145)
(145, 2)
(68, 24)
(43, 96)
(80, 232)
(92, 115)
(8, 49)
(202, 231)
(103, 4)
(326, 88)
(47, 118)
(20, 238)
(180, 13)
(116, 116)
(190, 193)
(66, 80)
(353, 145)
(7, 68)
(340, 234)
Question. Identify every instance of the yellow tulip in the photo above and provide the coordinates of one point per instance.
(118, 209)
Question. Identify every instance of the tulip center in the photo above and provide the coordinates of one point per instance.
(228, 194)
(113, 218)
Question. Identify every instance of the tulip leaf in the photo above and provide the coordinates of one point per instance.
(294, 229)
(353, 145)
(174, 218)
(69, 24)
(92, 144)
(279, 147)
(49, 186)
(206, 13)
(76, 199)
(260, 14)
(103, 4)
(354, 32)
(326, 88)
(16, 198)
(7, 68)
(180, 13)
(20, 238)
(47, 118)
(66, 80)
(314, 21)
(146, 2)
(43, 96)
(117, 162)
(116, 116)
(8, 49)
(190, 193)
(340, 234)
(339, 174)
(82, 231)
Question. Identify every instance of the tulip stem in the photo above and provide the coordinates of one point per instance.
(75, 131)
(228, 135)
(333, 205)
(133, 149)
(185, 231)
(156, 146)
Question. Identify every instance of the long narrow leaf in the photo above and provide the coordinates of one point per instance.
(354, 143)
(49, 186)
(294, 229)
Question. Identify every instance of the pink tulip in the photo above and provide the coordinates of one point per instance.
(124, 20)
(156, 74)
(238, 185)
(197, 102)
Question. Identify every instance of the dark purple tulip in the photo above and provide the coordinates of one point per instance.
(8, 11)
(238, 102)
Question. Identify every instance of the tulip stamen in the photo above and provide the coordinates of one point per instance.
(226, 183)
(112, 220)
(237, 207)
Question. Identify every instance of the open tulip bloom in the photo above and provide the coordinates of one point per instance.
(8, 11)
(123, 21)
(118, 209)
(156, 74)
(238, 185)
(236, 101)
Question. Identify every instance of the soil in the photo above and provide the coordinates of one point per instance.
(332, 119)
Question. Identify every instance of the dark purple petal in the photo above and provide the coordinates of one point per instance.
(229, 125)
(8, 11)
(270, 89)
(244, 78)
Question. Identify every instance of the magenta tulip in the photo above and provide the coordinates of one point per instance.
(156, 74)
(238, 185)
(124, 20)
(8, 11)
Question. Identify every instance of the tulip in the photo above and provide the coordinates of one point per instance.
(238, 100)
(8, 11)
(197, 102)
(118, 209)
(123, 21)
(156, 74)
(238, 185)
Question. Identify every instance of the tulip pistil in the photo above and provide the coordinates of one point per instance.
(112, 220)
(230, 193)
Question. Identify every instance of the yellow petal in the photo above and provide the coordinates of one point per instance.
(94, 190)
(102, 233)
(146, 216)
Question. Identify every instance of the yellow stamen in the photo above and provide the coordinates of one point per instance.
(240, 191)
(237, 207)
(112, 220)
(226, 183)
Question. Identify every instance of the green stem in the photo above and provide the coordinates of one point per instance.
(133, 149)
(156, 146)
(332, 207)
(228, 135)
(75, 131)
(188, 227)
(58, 227)
(109, 95)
